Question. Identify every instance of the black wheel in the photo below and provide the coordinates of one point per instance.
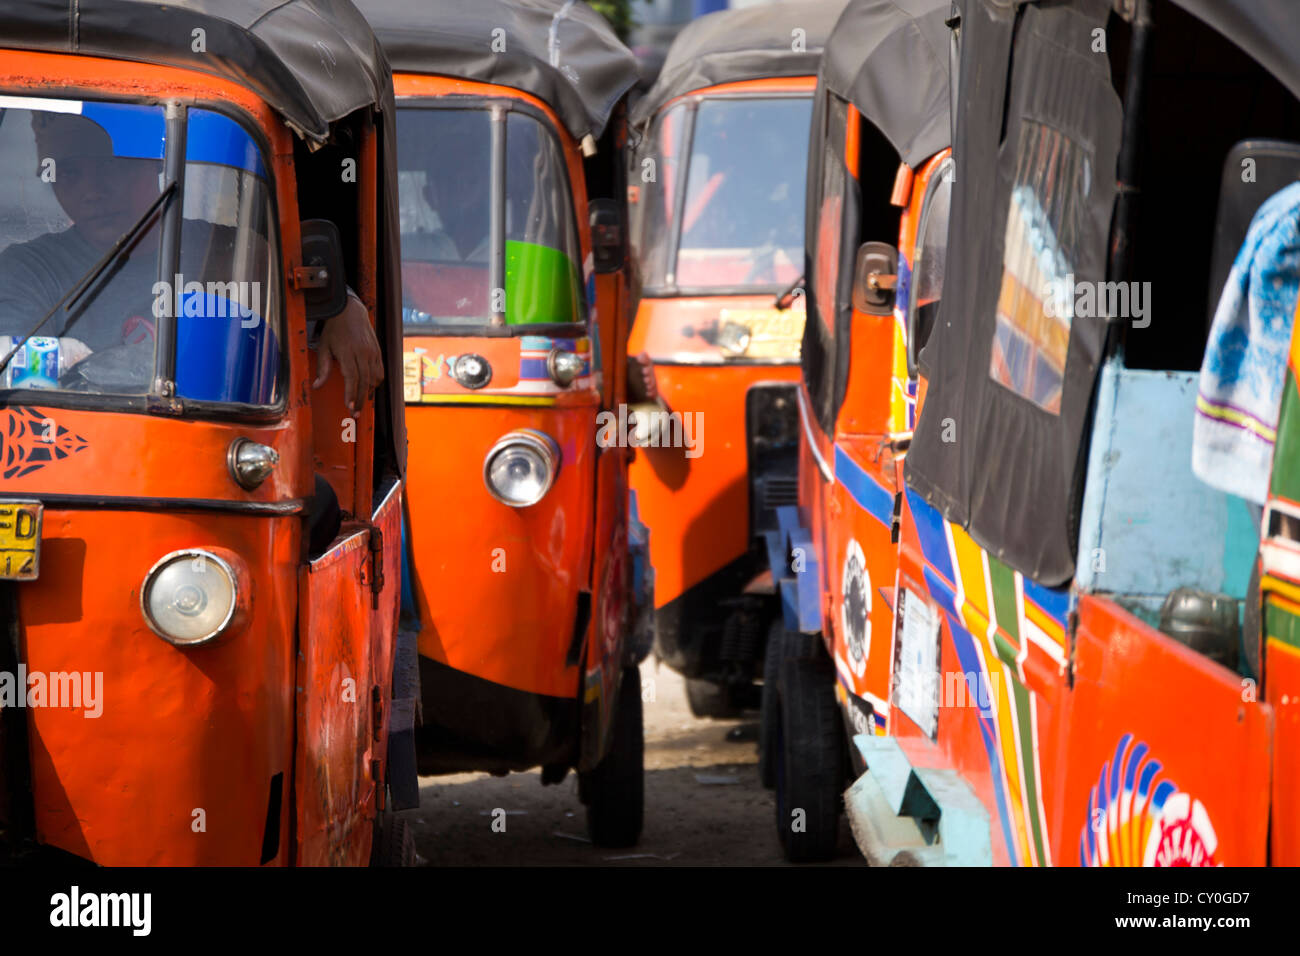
(770, 711)
(781, 646)
(614, 790)
(708, 699)
(810, 760)
(394, 841)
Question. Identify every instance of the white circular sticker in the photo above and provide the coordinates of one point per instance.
(855, 607)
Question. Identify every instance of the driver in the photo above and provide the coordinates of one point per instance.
(456, 187)
(102, 194)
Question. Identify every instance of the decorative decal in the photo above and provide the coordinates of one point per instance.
(1137, 819)
(855, 607)
(30, 440)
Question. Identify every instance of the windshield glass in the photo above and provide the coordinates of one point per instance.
(74, 176)
(445, 184)
(742, 210)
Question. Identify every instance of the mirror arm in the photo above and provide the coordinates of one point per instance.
(785, 298)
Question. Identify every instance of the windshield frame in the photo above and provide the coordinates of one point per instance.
(499, 107)
(161, 398)
(670, 289)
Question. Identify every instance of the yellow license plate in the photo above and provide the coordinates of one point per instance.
(20, 540)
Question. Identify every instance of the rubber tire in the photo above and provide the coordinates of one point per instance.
(782, 645)
(394, 841)
(769, 713)
(707, 699)
(810, 760)
(614, 789)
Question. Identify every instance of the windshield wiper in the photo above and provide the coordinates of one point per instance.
(69, 298)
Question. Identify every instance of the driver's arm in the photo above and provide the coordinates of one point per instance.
(348, 340)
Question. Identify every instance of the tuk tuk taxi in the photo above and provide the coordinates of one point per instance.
(879, 175)
(511, 135)
(717, 190)
(199, 635)
(1095, 645)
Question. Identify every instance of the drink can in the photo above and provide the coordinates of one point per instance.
(38, 363)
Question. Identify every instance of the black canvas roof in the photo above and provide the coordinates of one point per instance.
(313, 61)
(560, 51)
(890, 59)
(745, 44)
(1268, 30)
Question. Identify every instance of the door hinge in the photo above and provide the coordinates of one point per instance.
(308, 277)
(376, 565)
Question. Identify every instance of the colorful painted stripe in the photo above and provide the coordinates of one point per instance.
(871, 496)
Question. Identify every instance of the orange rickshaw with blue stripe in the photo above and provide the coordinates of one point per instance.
(199, 551)
(1093, 652)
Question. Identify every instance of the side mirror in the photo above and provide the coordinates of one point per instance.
(606, 220)
(875, 275)
(322, 277)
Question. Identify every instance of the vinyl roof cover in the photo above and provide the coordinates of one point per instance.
(562, 52)
(313, 61)
(890, 59)
(1267, 30)
(744, 44)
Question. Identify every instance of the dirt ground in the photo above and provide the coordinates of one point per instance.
(704, 804)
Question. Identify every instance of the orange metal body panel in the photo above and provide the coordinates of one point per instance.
(181, 731)
(497, 586)
(332, 779)
(1191, 712)
(696, 508)
(1282, 692)
(842, 528)
(178, 768)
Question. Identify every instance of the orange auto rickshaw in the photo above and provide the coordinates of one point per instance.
(199, 550)
(718, 183)
(1095, 657)
(880, 175)
(515, 308)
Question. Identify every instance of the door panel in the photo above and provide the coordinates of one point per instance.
(333, 786)
(1168, 755)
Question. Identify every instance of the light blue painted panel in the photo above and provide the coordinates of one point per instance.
(1147, 519)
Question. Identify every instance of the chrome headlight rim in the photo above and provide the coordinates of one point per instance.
(189, 554)
(541, 443)
(734, 338)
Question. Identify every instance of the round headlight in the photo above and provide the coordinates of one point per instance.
(521, 467)
(733, 338)
(189, 597)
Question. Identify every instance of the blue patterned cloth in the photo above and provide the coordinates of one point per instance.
(1244, 369)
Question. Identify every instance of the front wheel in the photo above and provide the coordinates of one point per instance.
(394, 842)
(614, 790)
(809, 752)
